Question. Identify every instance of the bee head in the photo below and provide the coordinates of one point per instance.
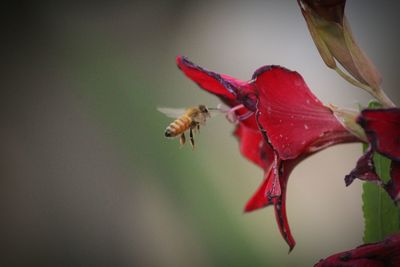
(203, 108)
(168, 133)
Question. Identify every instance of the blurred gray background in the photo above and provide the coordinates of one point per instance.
(87, 178)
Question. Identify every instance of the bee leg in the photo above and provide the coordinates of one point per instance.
(198, 128)
(182, 139)
(191, 138)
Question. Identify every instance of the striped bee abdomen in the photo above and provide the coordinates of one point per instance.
(178, 126)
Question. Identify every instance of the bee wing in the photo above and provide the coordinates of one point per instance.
(172, 112)
(200, 118)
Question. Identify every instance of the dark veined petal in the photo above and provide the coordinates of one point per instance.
(296, 122)
(385, 253)
(382, 127)
(393, 186)
(364, 170)
(221, 85)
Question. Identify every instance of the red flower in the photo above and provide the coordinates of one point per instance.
(382, 127)
(382, 254)
(280, 123)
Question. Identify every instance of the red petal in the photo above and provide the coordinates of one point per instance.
(268, 189)
(251, 123)
(280, 203)
(218, 84)
(393, 186)
(273, 190)
(260, 199)
(336, 262)
(382, 127)
(253, 146)
(296, 122)
(281, 218)
(364, 170)
(385, 253)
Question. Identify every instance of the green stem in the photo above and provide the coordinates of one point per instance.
(378, 93)
(384, 99)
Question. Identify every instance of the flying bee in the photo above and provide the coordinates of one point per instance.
(189, 119)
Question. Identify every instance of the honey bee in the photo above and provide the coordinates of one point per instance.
(189, 119)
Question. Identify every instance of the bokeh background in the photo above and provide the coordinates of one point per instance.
(87, 178)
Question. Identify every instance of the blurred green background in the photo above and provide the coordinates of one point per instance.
(87, 178)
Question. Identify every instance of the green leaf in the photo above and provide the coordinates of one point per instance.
(381, 215)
